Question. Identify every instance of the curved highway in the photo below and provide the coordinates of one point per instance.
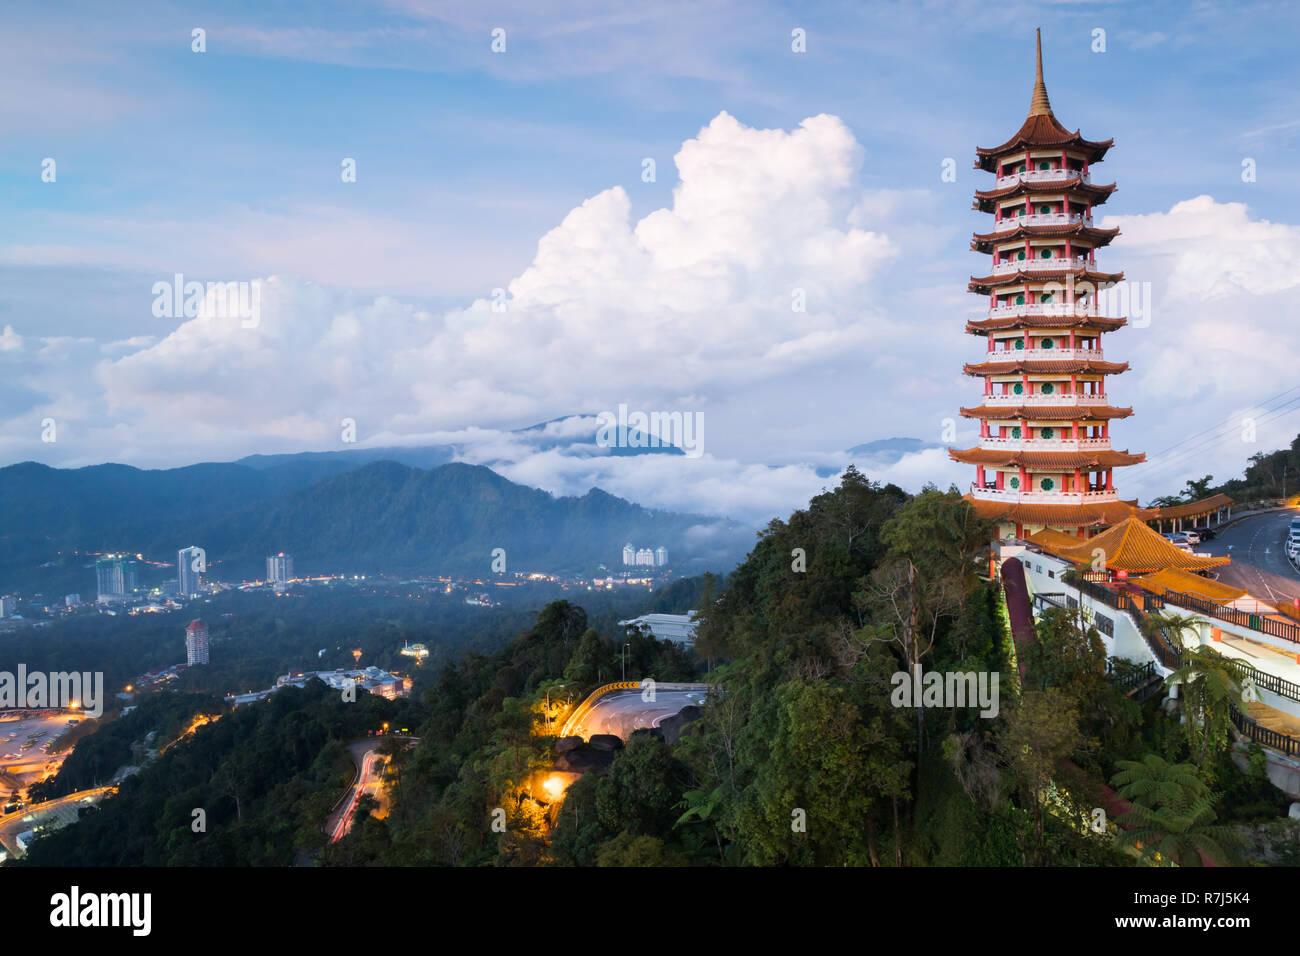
(622, 711)
(1257, 546)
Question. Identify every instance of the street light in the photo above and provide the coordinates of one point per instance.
(625, 647)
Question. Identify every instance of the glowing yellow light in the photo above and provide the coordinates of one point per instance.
(554, 786)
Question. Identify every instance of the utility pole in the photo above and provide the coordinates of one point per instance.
(625, 647)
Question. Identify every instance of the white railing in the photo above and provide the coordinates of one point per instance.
(1043, 176)
(1043, 497)
(1045, 309)
(1062, 399)
(1042, 265)
(1045, 444)
(1044, 355)
(1043, 219)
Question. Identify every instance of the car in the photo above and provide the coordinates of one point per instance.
(1179, 540)
(1193, 537)
(1206, 534)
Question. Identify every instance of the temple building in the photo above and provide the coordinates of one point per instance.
(1044, 458)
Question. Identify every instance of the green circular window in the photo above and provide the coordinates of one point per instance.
(1015, 431)
(1046, 344)
(1014, 482)
(1048, 388)
(1020, 254)
(1017, 389)
(1044, 165)
(1020, 343)
(1047, 484)
(1045, 298)
(1045, 210)
(1046, 432)
(1047, 253)
(1020, 300)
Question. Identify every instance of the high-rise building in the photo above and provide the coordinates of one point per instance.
(645, 558)
(191, 562)
(279, 568)
(629, 554)
(1044, 458)
(196, 643)
(661, 556)
(6, 607)
(116, 578)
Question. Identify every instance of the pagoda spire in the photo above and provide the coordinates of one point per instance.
(1039, 105)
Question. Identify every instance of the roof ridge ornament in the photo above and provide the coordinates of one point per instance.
(1039, 105)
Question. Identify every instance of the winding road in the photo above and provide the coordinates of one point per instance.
(1257, 546)
(622, 711)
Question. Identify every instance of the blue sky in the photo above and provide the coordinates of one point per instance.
(225, 166)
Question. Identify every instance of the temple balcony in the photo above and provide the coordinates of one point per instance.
(1042, 219)
(1046, 309)
(1042, 265)
(1045, 444)
(1064, 354)
(1043, 497)
(1056, 398)
(1044, 176)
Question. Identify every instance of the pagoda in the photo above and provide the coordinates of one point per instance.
(1044, 458)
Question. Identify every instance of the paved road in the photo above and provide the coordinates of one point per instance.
(369, 780)
(622, 711)
(1259, 562)
(15, 823)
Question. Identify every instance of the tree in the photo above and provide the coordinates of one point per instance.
(1041, 730)
(1171, 812)
(1210, 687)
(1196, 490)
(643, 850)
(513, 725)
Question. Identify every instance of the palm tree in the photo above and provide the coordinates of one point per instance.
(1169, 628)
(1171, 813)
(1211, 688)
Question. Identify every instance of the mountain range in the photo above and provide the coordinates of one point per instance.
(337, 512)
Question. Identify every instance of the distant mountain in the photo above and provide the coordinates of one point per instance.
(887, 451)
(381, 516)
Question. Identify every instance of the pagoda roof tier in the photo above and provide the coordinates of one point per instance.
(1036, 367)
(1051, 460)
(1095, 513)
(983, 285)
(1037, 132)
(1129, 546)
(987, 199)
(1041, 128)
(1046, 413)
(985, 241)
(1088, 323)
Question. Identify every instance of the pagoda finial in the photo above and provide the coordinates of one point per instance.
(1039, 105)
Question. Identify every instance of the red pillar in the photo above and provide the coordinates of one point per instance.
(1110, 486)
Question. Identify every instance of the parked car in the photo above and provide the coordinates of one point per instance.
(1206, 534)
(1179, 540)
(1193, 537)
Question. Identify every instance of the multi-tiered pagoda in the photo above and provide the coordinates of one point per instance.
(1044, 459)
